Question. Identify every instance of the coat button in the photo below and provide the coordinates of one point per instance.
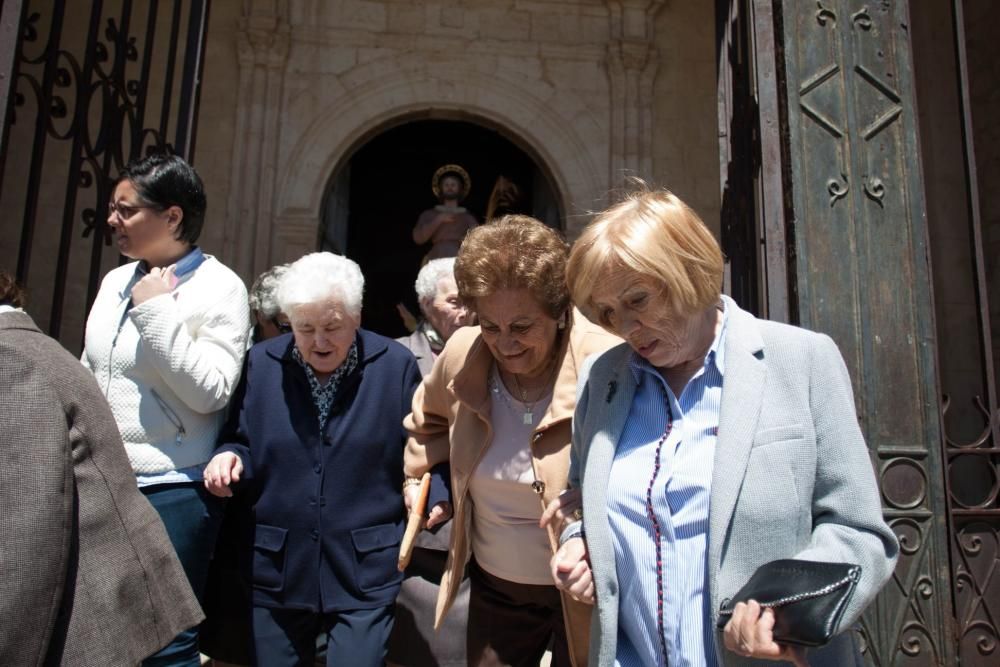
(317, 468)
(315, 535)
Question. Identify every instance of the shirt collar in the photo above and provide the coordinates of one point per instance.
(7, 308)
(185, 265)
(716, 353)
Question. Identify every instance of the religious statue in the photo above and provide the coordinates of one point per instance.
(446, 224)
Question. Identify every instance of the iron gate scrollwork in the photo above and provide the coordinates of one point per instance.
(92, 86)
(972, 474)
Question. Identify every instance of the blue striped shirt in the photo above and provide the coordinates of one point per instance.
(680, 502)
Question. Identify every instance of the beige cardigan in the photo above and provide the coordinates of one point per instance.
(451, 422)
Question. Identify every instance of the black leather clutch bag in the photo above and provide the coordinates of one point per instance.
(808, 598)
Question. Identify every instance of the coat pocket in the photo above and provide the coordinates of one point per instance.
(789, 433)
(376, 550)
(269, 557)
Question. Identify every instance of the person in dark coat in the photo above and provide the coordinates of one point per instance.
(414, 641)
(316, 442)
(88, 575)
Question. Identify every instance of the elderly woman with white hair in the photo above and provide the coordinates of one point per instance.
(315, 442)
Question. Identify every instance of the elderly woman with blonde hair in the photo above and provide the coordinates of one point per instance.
(709, 444)
(315, 442)
(497, 405)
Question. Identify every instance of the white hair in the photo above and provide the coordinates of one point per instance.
(432, 273)
(264, 293)
(321, 276)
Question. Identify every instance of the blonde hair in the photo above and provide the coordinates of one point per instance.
(655, 234)
(514, 252)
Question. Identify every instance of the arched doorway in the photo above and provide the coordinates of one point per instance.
(376, 195)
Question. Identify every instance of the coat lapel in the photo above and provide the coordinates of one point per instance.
(614, 399)
(742, 395)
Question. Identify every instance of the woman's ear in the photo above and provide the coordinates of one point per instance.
(175, 215)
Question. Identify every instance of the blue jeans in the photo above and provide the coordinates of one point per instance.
(192, 517)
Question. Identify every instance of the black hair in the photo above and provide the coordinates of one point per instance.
(164, 180)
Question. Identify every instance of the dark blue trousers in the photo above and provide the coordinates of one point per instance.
(287, 637)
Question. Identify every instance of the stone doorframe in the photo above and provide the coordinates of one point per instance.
(332, 139)
(296, 126)
(301, 180)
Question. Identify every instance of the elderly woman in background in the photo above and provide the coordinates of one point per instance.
(316, 442)
(498, 405)
(414, 641)
(443, 312)
(268, 319)
(166, 339)
(710, 444)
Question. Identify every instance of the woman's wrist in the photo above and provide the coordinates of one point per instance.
(571, 531)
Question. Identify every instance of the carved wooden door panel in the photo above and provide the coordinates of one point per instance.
(861, 272)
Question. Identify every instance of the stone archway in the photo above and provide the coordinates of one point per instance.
(281, 198)
(383, 185)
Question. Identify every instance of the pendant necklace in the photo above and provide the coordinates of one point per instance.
(529, 416)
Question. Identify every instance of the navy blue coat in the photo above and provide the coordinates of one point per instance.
(328, 511)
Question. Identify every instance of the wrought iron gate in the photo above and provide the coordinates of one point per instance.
(972, 431)
(87, 87)
(825, 225)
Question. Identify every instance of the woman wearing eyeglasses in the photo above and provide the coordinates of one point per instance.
(166, 339)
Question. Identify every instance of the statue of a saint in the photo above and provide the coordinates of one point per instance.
(446, 224)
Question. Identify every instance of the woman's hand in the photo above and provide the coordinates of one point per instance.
(440, 513)
(571, 570)
(154, 283)
(749, 633)
(222, 470)
(564, 509)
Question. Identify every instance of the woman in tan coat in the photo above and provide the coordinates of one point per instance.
(498, 405)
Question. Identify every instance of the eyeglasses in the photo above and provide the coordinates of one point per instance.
(283, 327)
(124, 211)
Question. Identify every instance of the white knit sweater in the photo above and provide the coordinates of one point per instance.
(170, 366)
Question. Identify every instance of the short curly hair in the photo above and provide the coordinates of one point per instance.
(10, 292)
(514, 252)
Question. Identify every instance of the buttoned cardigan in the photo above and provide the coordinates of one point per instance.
(328, 514)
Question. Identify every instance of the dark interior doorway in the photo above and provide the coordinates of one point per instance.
(376, 197)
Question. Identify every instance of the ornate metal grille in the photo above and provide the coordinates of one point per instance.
(93, 85)
(973, 464)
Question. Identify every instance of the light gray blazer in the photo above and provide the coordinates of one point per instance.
(792, 476)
